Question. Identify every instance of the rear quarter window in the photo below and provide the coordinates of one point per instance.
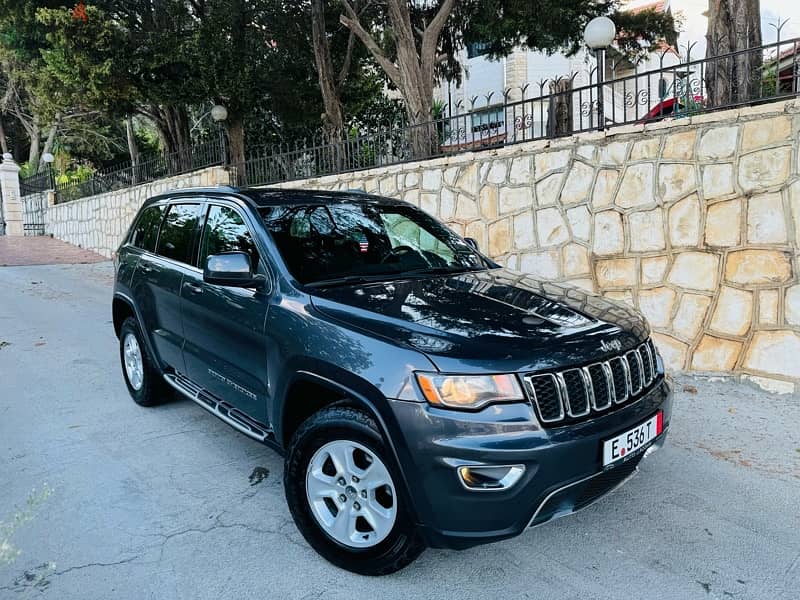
(145, 232)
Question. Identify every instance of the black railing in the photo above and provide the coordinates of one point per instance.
(37, 183)
(149, 169)
(555, 108)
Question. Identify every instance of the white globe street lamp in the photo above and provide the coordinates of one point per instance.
(48, 158)
(598, 35)
(219, 113)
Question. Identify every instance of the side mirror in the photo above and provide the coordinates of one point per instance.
(473, 242)
(232, 269)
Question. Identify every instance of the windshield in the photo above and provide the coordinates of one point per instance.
(325, 242)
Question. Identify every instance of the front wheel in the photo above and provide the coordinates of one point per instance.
(144, 382)
(342, 491)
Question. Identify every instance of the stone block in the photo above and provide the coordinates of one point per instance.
(680, 145)
(791, 307)
(604, 187)
(617, 272)
(580, 222)
(447, 204)
(774, 352)
(578, 183)
(689, 317)
(695, 271)
(515, 199)
(717, 180)
(466, 208)
(467, 180)
(653, 269)
(429, 203)
(672, 351)
(431, 179)
(715, 354)
(646, 231)
(543, 265)
(488, 201)
(675, 180)
(546, 162)
(575, 260)
(477, 231)
(523, 231)
(388, 185)
(621, 296)
(636, 188)
(614, 153)
(497, 172)
(685, 221)
(753, 267)
(657, 305)
(766, 132)
(764, 168)
(768, 308)
(609, 236)
(719, 142)
(794, 207)
(723, 223)
(586, 151)
(499, 237)
(646, 149)
(450, 176)
(766, 223)
(547, 189)
(551, 229)
(520, 172)
(733, 313)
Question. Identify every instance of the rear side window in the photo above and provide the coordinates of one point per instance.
(146, 230)
(225, 231)
(177, 232)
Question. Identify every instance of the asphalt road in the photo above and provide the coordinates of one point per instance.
(172, 503)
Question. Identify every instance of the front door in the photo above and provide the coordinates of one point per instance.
(224, 344)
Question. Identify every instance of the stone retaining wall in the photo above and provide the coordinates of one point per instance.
(99, 222)
(695, 221)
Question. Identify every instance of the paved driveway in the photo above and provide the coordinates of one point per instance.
(171, 503)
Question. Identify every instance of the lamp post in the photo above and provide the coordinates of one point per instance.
(219, 113)
(598, 34)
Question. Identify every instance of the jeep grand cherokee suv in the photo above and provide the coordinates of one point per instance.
(422, 395)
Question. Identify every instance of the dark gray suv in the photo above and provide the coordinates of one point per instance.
(422, 395)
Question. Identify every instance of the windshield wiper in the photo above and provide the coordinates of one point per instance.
(434, 271)
(347, 280)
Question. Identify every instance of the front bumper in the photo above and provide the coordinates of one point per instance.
(563, 465)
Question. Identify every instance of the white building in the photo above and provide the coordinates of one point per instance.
(475, 109)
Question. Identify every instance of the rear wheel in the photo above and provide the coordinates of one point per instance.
(145, 384)
(343, 492)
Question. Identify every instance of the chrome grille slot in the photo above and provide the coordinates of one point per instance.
(547, 397)
(577, 392)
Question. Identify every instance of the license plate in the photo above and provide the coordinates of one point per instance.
(628, 443)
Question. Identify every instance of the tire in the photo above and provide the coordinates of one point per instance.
(382, 550)
(146, 386)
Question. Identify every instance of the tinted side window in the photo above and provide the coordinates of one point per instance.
(225, 231)
(177, 232)
(146, 230)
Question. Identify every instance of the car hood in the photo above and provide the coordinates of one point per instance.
(487, 321)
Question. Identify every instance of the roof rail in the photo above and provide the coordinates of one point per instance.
(205, 188)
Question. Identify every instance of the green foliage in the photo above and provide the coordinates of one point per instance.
(8, 552)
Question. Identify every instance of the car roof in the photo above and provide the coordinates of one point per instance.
(265, 197)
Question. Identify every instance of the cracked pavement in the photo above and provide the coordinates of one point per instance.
(172, 503)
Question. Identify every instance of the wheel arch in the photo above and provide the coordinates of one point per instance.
(122, 307)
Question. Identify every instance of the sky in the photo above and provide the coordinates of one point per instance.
(694, 25)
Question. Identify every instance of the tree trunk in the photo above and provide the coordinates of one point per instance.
(33, 153)
(3, 140)
(133, 150)
(172, 124)
(51, 138)
(235, 129)
(333, 120)
(559, 112)
(733, 25)
(413, 69)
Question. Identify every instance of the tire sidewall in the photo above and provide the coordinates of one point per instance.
(319, 430)
(141, 396)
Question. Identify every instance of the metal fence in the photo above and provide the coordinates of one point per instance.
(33, 211)
(580, 102)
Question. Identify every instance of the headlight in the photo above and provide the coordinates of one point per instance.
(469, 391)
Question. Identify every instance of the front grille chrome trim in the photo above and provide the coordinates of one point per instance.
(642, 358)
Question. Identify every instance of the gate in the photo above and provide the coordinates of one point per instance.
(33, 207)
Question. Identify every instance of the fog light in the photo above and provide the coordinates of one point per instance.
(484, 478)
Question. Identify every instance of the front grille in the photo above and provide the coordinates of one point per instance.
(577, 393)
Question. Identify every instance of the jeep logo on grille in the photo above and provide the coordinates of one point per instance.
(615, 345)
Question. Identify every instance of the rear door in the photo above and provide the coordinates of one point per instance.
(158, 278)
(224, 346)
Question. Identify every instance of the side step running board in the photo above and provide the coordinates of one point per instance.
(232, 416)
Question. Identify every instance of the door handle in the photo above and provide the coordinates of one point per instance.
(193, 287)
(146, 268)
